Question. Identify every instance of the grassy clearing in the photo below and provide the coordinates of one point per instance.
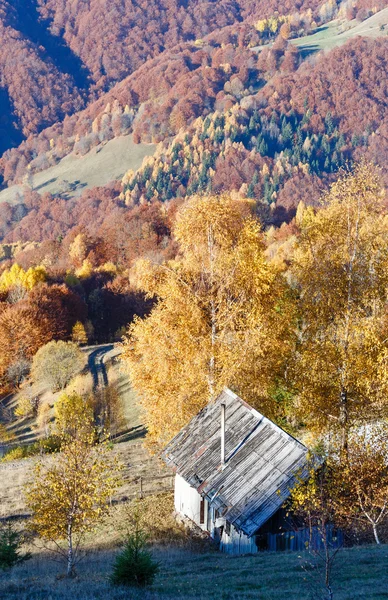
(190, 567)
(74, 174)
(360, 573)
(143, 474)
(337, 33)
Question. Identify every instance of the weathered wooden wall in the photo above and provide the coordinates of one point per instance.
(302, 539)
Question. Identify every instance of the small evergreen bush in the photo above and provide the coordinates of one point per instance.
(10, 545)
(134, 565)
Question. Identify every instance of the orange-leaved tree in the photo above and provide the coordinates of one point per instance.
(220, 319)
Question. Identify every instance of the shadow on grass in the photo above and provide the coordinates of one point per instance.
(133, 433)
(308, 50)
(42, 185)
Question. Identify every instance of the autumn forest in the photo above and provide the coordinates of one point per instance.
(244, 245)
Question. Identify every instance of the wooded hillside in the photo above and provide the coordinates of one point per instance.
(80, 50)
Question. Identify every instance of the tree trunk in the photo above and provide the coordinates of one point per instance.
(343, 420)
(327, 556)
(212, 360)
(70, 553)
(212, 357)
(375, 533)
(327, 562)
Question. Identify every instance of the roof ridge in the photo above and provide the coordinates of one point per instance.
(260, 416)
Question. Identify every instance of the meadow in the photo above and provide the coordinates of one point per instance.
(360, 573)
(337, 33)
(75, 174)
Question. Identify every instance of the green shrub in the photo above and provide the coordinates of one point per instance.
(134, 565)
(47, 446)
(50, 444)
(10, 545)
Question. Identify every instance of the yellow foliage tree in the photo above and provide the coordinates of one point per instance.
(219, 320)
(273, 24)
(261, 25)
(70, 497)
(315, 499)
(5, 435)
(78, 250)
(73, 416)
(78, 334)
(85, 270)
(17, 276)
(341, 269)
(24, 407)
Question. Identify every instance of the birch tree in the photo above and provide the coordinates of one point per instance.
(219, 319)
(70, 495)
(341, 271)
(365, 478)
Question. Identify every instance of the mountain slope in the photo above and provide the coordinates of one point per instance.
(37, 93)
(58, 54)
(269, 125)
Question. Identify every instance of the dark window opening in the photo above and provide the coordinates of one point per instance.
(262, 542)
(202, 512)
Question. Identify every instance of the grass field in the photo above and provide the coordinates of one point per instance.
(360, 573)
(337, 33)
(142, 473)
(74, 174)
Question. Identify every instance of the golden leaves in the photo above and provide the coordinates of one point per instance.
(74, 491)
(341, 268)
(17, 276)
(217, 321)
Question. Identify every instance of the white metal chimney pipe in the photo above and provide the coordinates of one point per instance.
(223, 411)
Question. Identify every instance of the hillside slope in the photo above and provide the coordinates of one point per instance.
(36, 93)
(58, 55)
(267, 126)
(75, 174)
(337, 33)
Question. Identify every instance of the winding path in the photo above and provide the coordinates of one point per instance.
(96, 364)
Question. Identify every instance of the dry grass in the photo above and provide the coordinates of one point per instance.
(155, 515)
(361, 573)
(108, 162)
(142, 472)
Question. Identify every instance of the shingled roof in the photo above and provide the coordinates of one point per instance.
(261, 461)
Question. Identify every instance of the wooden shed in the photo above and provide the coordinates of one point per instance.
(234, 469)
